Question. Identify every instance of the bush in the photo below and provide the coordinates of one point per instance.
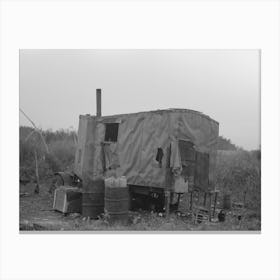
(64, 150)
(61, 144)
(239, 173)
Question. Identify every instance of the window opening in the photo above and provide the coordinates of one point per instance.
(187, 150)
(111, 132)
(188, 160)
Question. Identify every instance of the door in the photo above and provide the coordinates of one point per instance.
(188, 161)
(110, 147)
(195, 165)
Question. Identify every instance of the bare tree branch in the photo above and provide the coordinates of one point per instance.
(38, 130)
(29, 135)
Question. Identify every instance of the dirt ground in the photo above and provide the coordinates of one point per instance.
(36, 213)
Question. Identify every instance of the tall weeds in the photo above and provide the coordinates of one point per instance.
(239, 174)
(61, 144)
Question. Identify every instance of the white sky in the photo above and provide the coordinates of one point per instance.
(56, 86)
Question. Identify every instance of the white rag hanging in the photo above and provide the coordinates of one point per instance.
(175, 159)
(111, 156)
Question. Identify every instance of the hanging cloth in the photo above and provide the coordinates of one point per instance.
(110, 156)
(175, 158)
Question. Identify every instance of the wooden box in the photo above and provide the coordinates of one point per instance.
(68, 199)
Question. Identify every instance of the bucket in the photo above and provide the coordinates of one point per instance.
(110, 182)
(117, 203)
(120, 182)
(227, 202)
(93, 199)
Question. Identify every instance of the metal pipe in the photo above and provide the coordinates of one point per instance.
(98, 102)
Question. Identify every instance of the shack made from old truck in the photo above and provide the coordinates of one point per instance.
(172, 149)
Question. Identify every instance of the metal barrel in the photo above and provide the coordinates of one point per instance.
(93, 199)
(227, 202)
(117, 203)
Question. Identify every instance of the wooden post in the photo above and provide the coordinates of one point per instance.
(210, 196)
(191, 201)
(198, 197)
(178, 199)
(215, 202)
(37, 189)
(204, 201)
(167, 203)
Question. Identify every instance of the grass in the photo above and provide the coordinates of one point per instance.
(36, 213)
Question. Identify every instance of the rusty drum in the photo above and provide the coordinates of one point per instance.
(93, 199)
(117, 203)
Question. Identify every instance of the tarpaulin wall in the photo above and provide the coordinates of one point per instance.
(140, 136)
(84, 160)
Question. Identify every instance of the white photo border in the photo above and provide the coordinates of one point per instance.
(147, 24)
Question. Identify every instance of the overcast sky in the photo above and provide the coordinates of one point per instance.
(56, 86)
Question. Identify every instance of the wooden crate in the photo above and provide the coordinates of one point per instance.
(67, 199)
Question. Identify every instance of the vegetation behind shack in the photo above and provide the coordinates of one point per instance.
(62, 147)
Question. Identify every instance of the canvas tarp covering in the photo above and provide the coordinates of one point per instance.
(85, 148)
(140, 136)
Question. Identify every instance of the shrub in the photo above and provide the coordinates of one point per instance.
(239, 173)
(61, 144)
(64, 150)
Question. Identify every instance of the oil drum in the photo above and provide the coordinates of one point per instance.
(93, 199)
(117, 203)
